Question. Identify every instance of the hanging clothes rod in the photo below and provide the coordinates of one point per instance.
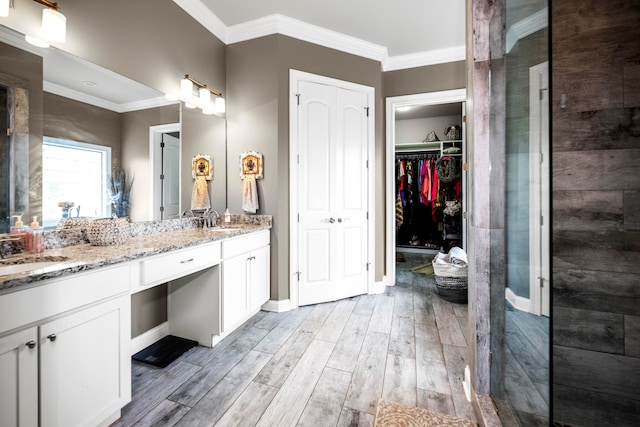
(416, 156)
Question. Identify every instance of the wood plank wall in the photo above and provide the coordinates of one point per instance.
(596, 207)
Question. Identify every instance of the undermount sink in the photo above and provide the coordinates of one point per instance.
(28, 263)
(6, 270)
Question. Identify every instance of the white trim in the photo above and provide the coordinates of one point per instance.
(153, 162)
(149, 337)
(539, 244)
(103, 103)
(430, 98)
(421, 59)
(518, 302)
(278, 306)
(294, 77)
(379, 287)
(526, 27)
(281, 24)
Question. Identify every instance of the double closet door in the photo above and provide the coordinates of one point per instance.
(331, 177)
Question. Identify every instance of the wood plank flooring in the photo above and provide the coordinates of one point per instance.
(322, 365)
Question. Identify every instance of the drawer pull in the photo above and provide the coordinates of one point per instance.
(52, 337)
(31, 344)
(186, 261)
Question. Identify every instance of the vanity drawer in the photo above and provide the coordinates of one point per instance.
(172, 265)
(56, 296)
(243, 244)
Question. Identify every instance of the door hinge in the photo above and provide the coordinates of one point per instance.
(8, 131)
(464, 119)
(162, 145)
(298, 96)
(367, 110)
(367, 216)
(541, 159)
(298, 159)
(298, 217)
(465, 166)
(367, 164)
(161, 208)
(490, 358)
(541, 220)
(464, 215)
(162, 176)
(367, 265)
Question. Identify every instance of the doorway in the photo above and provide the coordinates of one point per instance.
(164, 153)
(393, 105)
(331, 185)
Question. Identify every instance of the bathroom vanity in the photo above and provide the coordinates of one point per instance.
(65, 329)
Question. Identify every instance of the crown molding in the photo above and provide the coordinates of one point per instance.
(102, 103)
(525, 27)
(280, 24)
(421, 59)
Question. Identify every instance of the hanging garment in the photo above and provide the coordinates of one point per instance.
(200, 194)
(399, 213)
(249, 194)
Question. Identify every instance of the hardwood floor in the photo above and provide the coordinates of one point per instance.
(321, 365)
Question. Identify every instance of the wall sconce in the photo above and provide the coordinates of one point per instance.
(54, 23)
(203, 98)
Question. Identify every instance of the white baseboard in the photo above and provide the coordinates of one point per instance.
(277, 306)
(388, 281)
(145, 339)
(378, 287)
(521, 303)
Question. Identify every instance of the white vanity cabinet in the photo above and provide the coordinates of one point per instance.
(74, 335)
(245, 277)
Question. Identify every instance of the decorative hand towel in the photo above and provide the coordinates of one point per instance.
(200, 194)
(249, 194)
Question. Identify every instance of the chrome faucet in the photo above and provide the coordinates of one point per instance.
(211, 217)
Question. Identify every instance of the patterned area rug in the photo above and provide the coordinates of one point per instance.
(392, 414)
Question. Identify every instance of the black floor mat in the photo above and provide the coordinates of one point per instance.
(163, 352)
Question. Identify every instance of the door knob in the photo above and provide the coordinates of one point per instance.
(31, 344)
(342, 219)
(52, 337)
(331, 220)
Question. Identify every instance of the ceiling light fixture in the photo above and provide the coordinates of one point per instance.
(203, 99)
(54, 23)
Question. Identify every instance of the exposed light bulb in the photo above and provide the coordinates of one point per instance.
(54, 25)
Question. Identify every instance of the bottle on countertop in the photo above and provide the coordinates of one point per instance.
(37, 237)
(19, 230)
(227, 216)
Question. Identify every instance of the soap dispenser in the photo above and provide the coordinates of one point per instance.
(37, 237)
(19, 230)
(227, 216)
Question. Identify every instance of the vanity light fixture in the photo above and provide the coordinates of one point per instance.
(54, 23)
(203, 99)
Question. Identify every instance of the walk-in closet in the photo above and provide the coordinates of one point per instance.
(429, 183)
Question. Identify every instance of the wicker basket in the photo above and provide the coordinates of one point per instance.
(105, 232)
(451, 281)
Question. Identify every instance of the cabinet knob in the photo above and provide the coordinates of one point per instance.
(31, 344)
(52, 337)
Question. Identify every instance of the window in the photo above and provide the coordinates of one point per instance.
(74, 172)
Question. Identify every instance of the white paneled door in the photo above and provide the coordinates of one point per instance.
(332, 180)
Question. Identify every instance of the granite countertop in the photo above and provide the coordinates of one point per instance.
(83, 257)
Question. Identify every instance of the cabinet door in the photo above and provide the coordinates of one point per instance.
(259, 277)
(19, 379)
(235, 304)
(85, 366)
